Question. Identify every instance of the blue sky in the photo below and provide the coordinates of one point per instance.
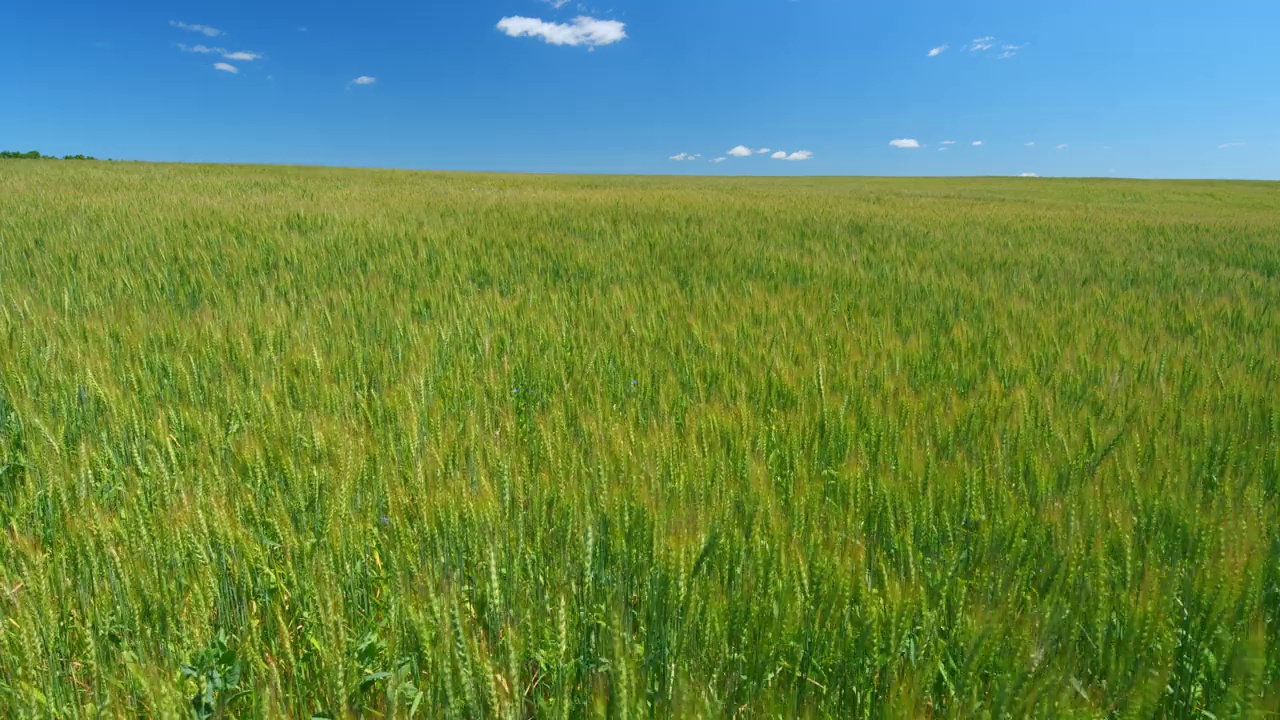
(1133, 88)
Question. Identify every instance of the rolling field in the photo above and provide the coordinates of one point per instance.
(283, 442)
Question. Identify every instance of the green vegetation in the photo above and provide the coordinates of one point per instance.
(281, 441)
(35, 155)
(29, 155)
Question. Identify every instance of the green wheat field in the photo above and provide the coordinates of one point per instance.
(296, 442)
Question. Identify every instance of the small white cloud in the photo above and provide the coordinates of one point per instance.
(719, 160)
(982, 44)
(762, 151)
(948, 142)
(1011, 50)
(742, 151)
(243, 55)
(798, 155)
(1224, 146)
(977, 143)
(943, 149)
(905, 143)
(557, 4)
(780, 155)
(1028, 175)
(938, 51)
(1031, 144)
(581, 31)
(227, 67)
(678, 156)
(204, 29)
(364, 80)
(1063, 146)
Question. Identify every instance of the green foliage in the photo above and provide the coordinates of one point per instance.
(287, 442)
(35, 155)
(215, 671)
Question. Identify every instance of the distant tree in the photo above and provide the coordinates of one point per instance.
(13, 155)
(79, 157)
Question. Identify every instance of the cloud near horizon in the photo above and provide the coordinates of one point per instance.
(582, 30)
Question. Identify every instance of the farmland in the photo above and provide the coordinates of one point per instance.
(292, 441)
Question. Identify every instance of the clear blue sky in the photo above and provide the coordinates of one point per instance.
(1136, 88)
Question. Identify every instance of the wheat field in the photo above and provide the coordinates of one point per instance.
(306, 442)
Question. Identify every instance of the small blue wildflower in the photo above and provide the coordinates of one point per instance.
(386, 520)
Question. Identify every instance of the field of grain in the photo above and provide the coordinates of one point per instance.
(284, 442)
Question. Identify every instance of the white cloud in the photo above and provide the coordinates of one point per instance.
(905, 143)
(1011, 50)
(1224, 146)
(226, 67)
(800, 155)
(982, 44)
(977, 143)
(364, 80)
(243, 55)
(948, 142)
(205, 29)
(557, 4)
(780, 155)
(582, 31)
(943, 149)
(1028, 175)
(719, 160)
(741, 151)
(1063, 146)
(938, 51)
(762, 151)
(1031, 144)
(679, 156)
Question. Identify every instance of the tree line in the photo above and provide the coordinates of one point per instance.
(35, 155)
